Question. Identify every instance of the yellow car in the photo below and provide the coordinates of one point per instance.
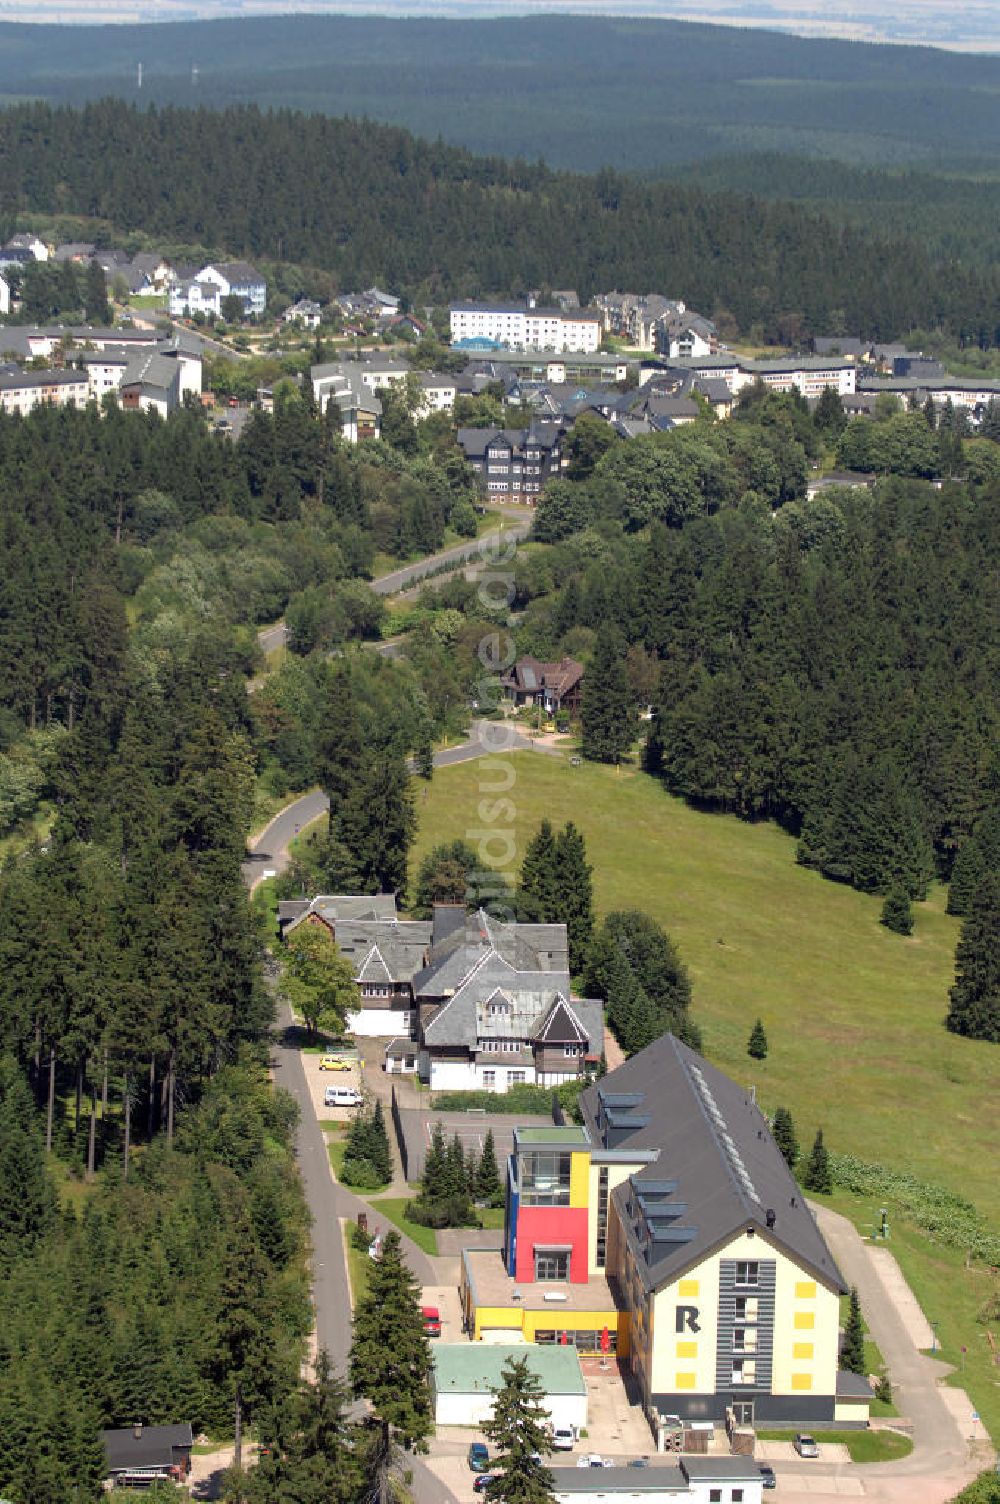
(334, 1063)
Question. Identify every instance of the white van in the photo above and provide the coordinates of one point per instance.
(341, 1096)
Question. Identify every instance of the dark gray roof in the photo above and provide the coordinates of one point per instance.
(384, 950)
(238, 272)
(658, 1480)
(154, 372)
(25, 379)
(338, 907)
(725, 1469)
(717, 1163)
(154, 1446)
(853, 1386)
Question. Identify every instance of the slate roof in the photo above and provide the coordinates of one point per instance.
(238, 273)
(338, 907)
(629, 1481)
(157, 372)
(717, 1164)
(26, 379)
(384, 950)
(154, 1446)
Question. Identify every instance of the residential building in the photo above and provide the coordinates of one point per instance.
(691, 1480)
(670, 1218)
(4, 295)
(552, 686)
(151, 382)
(305, 313)
(109, 368)
(513, 463)
(139, 1455)
(205, 291)
(495, 1007)
(373, 303)
(15, 256)
(20, 393)
(685, 335)
(439, 393)
(342, 384)
(502, 365)
(79, 251)
(24, 240)
(384, 951)
(516, 326)
(159, 272)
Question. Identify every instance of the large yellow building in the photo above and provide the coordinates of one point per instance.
(669, 1230)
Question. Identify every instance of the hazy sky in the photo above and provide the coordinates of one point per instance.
(973, 25)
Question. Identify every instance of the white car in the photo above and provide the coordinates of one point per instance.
(593, 1459)
(563, 1438)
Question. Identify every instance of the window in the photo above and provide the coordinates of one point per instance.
(715, 1495)
(551, 1263)
(490, 1080)
(747, 1273)
(516, 1078)
(737, 1496)
(571, 1049)
(746, 1307)
(742, 1412)
(602, 1217)
(544, 1175)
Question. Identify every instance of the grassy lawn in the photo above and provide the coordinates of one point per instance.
(864, 1446)
(853, 1014)
(490, 1216)
(394, 1207)
(950, 1296)
(358, 1266)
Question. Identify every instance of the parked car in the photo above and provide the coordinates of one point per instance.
(805, 1445)
(563, 1438)
(432, 1320)
(593, 1459)
(767, 1478)
(334, 1063)
(639, 1462)
(482, 1483)
(341, 1096)
(479, 1456)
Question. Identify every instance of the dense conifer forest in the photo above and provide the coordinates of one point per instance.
(371, 203)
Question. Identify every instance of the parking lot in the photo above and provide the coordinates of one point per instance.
(471, 1127)
(318, 1081)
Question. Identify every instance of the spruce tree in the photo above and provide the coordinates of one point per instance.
(538, 892)
(817, 1175)
(757, 1043)
(518, 1429)
(852, 1353)
(896, 913)
(575, 895)
(488, 1187)
(975, 998)
(606, 717)
(390, 1362)
(783, 1130)
(379, 1149)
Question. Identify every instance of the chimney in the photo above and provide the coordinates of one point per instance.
(137, 1430)
(770, 1217)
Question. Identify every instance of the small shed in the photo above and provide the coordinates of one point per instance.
(466, 1374)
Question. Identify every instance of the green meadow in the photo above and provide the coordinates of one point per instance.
(853, 1014)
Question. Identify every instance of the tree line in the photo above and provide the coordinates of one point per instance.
(433, 221)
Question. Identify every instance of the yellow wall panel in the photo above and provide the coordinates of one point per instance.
(802, 1381)
(688, 1287)
(579, 1178)
(805, 1321)
(687, 1349)
(685, 1381)
(802, 1349)
(805, 1289)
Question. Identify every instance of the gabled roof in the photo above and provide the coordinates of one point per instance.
(717, 1170)
(373, 968)
(561, 1026)
(145, 1446)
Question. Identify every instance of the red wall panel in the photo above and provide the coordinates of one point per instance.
(559, 1226)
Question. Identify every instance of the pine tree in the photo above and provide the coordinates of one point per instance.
(852, 1352)
(390, 1361)
(538, 892)
(574, 904)
(783, 1130)
(757, 1043)
(896, 913)
(379, 1150)
(975, 998)
(488, 1187)
(606, 712)
(518, 1429)
(817, 1175)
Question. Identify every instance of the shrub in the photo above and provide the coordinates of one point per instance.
(945, 1216)
(361, 1174)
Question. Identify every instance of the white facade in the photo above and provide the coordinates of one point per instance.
(19, 394)
(379, 1023)
(4, 296)
(473, 1408)
(688, 344)
(104, 375)
(527, 328)
(439, 395)
(809, 377)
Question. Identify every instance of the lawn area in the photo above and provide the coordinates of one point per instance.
(358, 1266)
(950, 1296)
(394, 1207)
(864, 1446)
(853, 1013)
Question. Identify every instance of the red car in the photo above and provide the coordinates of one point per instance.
(432, 1320)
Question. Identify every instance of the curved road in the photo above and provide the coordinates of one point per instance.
(268, 852)
(491, 547)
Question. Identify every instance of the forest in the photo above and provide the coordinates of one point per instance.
(435, 222)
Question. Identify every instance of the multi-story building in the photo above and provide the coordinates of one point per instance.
(22, 391)
(4, 295)
(342, 383)
(522, 326)
(668, 1229)
(513, 463)
(204, 292)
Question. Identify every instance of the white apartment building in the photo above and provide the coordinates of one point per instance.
(523, 327)
(805, 374)
(4, 296)
(22, 392)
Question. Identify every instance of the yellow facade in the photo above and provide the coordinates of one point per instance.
(516, 1319)
(617, 1173)
(804, 1306)
(579, 1178)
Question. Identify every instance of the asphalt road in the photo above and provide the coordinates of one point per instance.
(491, 546)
